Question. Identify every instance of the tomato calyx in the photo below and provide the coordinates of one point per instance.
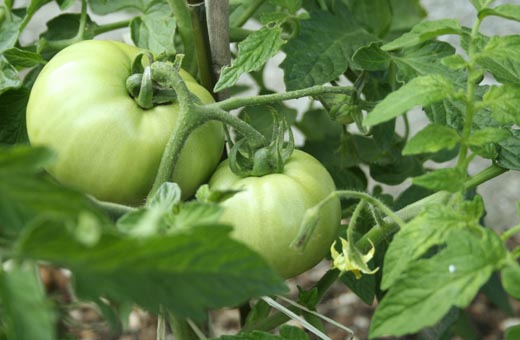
(246, 160)
(145, 86)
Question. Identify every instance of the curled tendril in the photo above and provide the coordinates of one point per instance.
(246, 160)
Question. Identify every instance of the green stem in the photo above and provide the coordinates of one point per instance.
(469, 98)
(237, 34)
(111, 27)
(254, 137)
(484, 176)
(182, 329)
(56, 45)
(506, 235)
(114, 210)
(191, 116)
(185, 28)
(201, 43)
(248, 12)
(353, 220)
(161, 326)
(237, 102)
(374, 201)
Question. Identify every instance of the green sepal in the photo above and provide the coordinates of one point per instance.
(246, 161)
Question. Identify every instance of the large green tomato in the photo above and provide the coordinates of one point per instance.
(106, 144)
(267, 211)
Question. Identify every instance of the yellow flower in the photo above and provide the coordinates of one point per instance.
(352, 259)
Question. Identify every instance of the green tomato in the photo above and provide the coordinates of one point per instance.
(267, 212)
(106, 144)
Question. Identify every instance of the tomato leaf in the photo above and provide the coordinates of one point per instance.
(429, 287)
(9, 77)
(65, 4)
(449, 179)
(371, 58)
(9, 32)
(488, 135)
(397, 170)
(323, 49)
(12, 115)
(498, 57)
(154, 30)
(511, 279)
(253, 53)
(508, 152)
(23, 58)
(428, 229)
(376, 22)
(26, 194)
(65, 26)
(504, 101)
(406, 14)
(507, 11)
(186, 272)
(194, 214)
(424, 31)
(27, 313)
(423, 90)
(261, 117)
(424, 59)
(291, 5)
(513, 333)
(103, 7)
(481, 4)
(432, 138)
(364, 287)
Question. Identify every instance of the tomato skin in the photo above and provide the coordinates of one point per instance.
(106, 144)
(267, 213)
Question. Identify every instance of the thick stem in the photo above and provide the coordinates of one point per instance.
(200, 34)
(218, 33)
(237, 102)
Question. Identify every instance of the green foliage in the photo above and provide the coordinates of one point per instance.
(27, 312)
(153, 30)
(423, 90)
(185, 271)
(324, 48)
(428, 287)
(254, 52)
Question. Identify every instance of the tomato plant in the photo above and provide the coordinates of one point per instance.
(267, 211)
(401, 120)
(106, 144)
